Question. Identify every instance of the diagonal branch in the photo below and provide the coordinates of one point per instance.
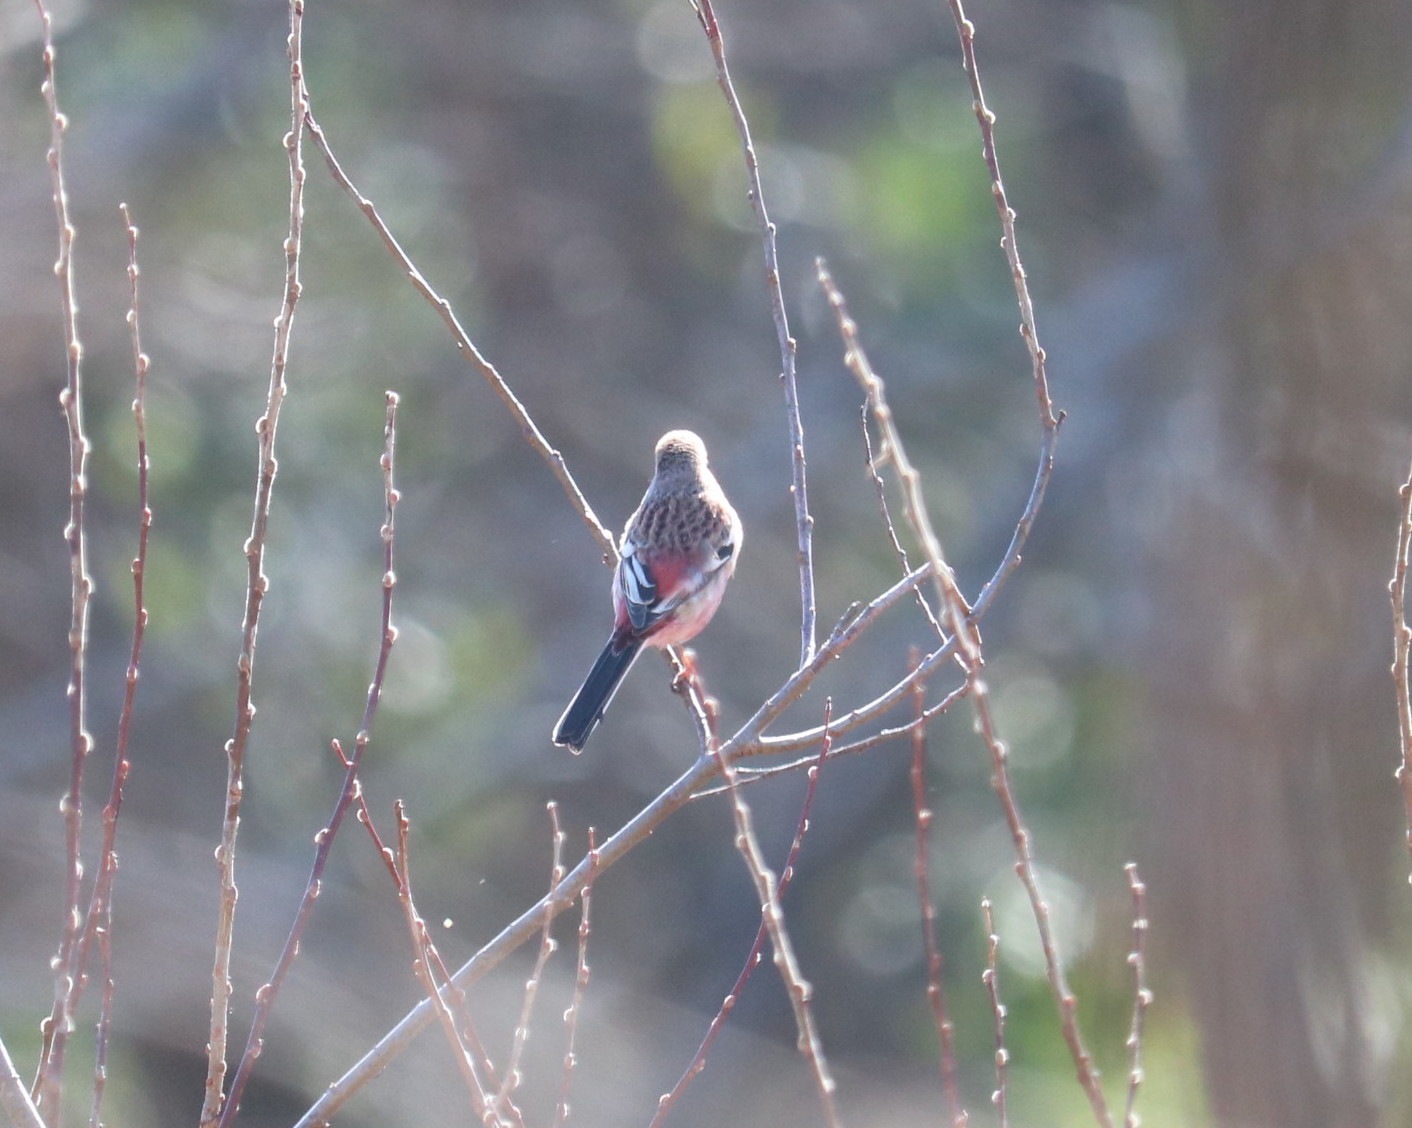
(464, 345)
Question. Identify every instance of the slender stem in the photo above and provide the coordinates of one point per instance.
(1142, 994)
(257, 584)
(800, 991)
(422, 965)
(464, 345)
(991, 978)
(936, 992)
(48, 1085)
(14, 1097)
(1401, 650)
(581, 974)
(265, 997)
(99, 921)
(804, 523)
(752, 959)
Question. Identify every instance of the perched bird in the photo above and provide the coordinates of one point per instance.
(678, 550)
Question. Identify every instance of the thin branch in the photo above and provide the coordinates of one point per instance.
(496, 1110)
(1064, 999)
(48, 1085)
(752, 959)
(847, 327)
(99, 920)
(464, 345)
(677, 795)
(1401, 650)
(581, 972)
(747, 776)
(966, 31)
(547, 946)
(991, 978)
(1142, 994)
(422, 966)
(767, 889)
(266, 995)
(14, 1097)
(893, 452)
(804, 523)
(257, 583)
(936, 992)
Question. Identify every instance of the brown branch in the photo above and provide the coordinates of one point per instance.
(48, 1084)
(99, 920)
(893, 453)
(464, 345)
(266, 995)
(752, 959)
(257, 583)
(767, 889)
(804, 523)
(936, 992)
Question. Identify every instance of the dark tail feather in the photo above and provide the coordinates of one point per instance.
(586, 709)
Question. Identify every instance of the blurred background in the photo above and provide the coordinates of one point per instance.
(1191, 666)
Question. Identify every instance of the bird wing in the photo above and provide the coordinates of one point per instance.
(653, 584)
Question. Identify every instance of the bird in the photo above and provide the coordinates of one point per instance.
(677, 553)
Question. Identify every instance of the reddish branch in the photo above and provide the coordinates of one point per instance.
(48, 1084)
(266, 995)
(257, 584)
(752, 960)
(936, 993)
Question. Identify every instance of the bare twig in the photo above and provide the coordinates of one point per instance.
(1401, 649)
(991, 978)
(48, 1084)
(257, 583)
(14, 1097)
(804, 523)
(936, 993)
(796, 986)
(464, 345)
(752, 960)
(1049, 418)
(677, 795)
(1142, 994)
(265, 997)
(746, 776)
(966, 31)
(1064, 999)
(99, 921)
(422, 965)
(847, 327)
(546, 949)
(571, 1015)
(893, 452)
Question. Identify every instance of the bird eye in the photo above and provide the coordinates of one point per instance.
(725, 552)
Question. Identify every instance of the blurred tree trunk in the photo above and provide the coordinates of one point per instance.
(1272, 725)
